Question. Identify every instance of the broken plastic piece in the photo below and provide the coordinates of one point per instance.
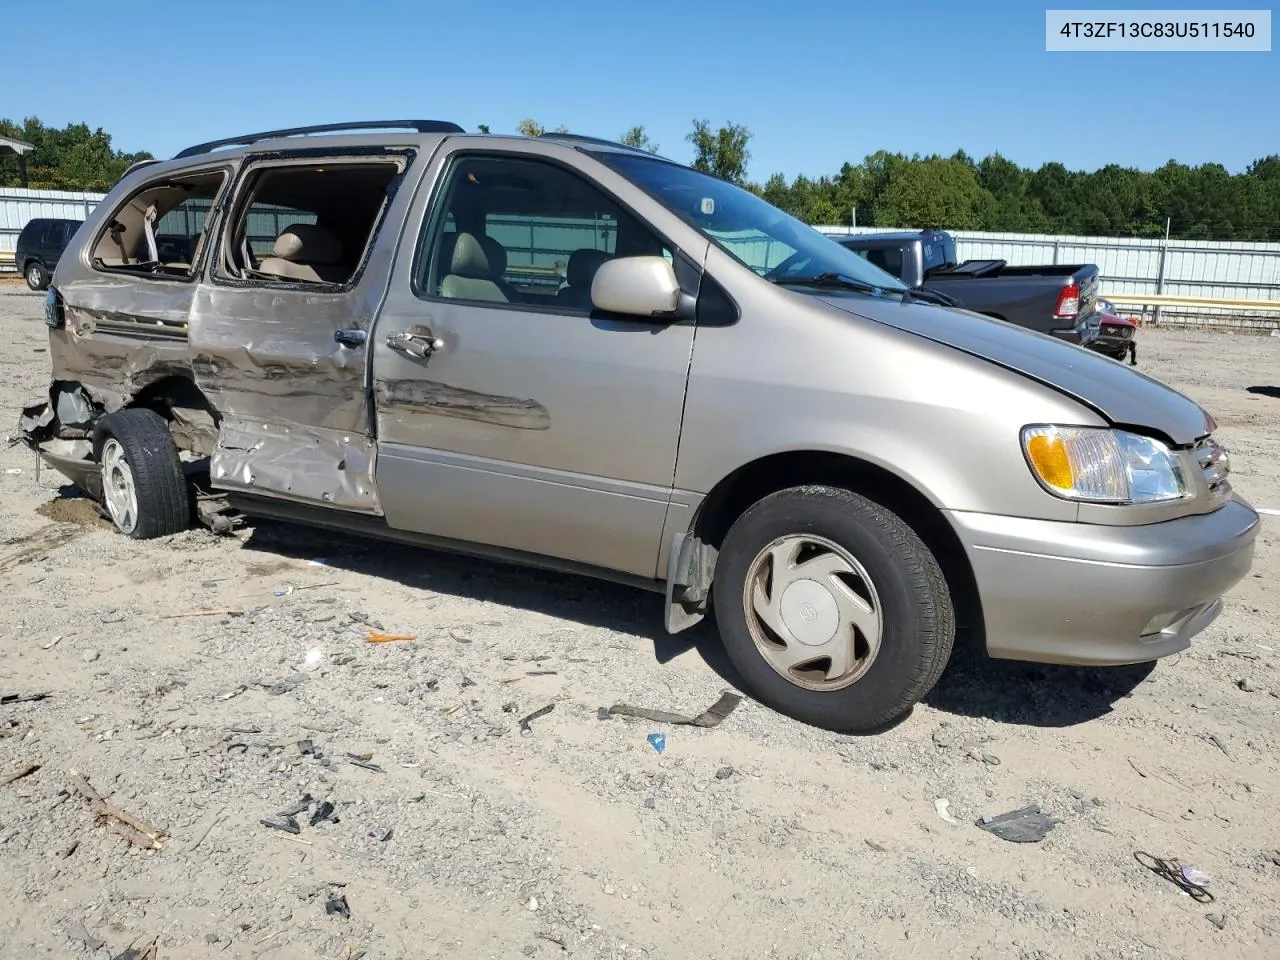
(711, 717)
(658, 741)
(359, 761)
(306, 748)
(287, 824)
(1027, 825)
(322, 813)
(6, 698)
(381, 834)
(335, 905)
(525, 727)
(943, 808)
(298, 807)
(373, 636)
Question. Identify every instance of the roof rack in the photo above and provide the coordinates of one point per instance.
(420, 126)
(598, 141)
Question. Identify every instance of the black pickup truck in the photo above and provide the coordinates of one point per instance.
(1053, 299)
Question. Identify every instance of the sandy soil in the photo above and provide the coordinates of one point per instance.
(760, 838)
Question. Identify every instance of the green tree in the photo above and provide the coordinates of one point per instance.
(531, 128)
(638, 138)
(936, 192)
(482, 127)
(71, 158)
(721, 152)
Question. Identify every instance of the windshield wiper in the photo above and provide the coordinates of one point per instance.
(829, 279)
(927, 296)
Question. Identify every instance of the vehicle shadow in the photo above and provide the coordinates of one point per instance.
(581, 599)
(1273, 392)
(1034, 694)
(974, 685)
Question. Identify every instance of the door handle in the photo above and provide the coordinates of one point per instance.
(422, 343)
(350, 338)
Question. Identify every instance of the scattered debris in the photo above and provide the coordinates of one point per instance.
(232, 693)
(204, 613)
(52, 643)
(542, 673)
(7, 698)
(552, 938)
(373, 636)
(525, 723)
(323, 812)
(359, 761)
(147, 952)
(299, 807)
(711, 717)
(531, 904)
(943, 807)
(311, 662)
(89, 655)
(137, 832)
(69, 849)
(1219, 920)
(1027, 825)
(1244, 684)
(306, 748)
(281, 822)
(1212, 738)
(604, 714)
(658, 741)
(26, 771)
(724, 773)
(877, 847)
(381, 834)
(77, 931)
(466, 682)
(335, 905)
(1188, 879)
(279, 687)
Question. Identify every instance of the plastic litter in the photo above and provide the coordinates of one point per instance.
(1187, 878)
(525, 727)
(381, 834)
(322, 813)
(335, 905)
(943, 808)
(658, 741)
(1027, 825)
(286, 824)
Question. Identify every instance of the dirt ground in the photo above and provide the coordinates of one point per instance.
(760, 838)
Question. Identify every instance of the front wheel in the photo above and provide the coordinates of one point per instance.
(832, 609)
(143, 486)
(37, 276)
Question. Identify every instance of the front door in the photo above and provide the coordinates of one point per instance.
(509, 412)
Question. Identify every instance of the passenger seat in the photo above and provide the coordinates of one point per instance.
(475, 270)
(578, 274)
(308, 253)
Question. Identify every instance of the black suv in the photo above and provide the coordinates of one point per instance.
(40, 245)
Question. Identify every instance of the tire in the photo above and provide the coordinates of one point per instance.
(144, 489)
(899, 582)
(36, 275)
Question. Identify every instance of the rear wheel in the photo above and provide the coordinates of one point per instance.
(832, 609)
(143, 486)
(37, 276)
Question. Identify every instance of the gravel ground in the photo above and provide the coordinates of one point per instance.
(761, 838)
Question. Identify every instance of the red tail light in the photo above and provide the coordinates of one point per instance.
(1068, 303)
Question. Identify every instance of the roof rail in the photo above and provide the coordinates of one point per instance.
(134, 166)
(598, 141)
(420, 126)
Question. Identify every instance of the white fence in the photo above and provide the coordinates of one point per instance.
(18, 206)
(1219, 270)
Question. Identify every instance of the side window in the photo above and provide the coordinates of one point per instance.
(306, 223)
(524, 231)
(159, 231)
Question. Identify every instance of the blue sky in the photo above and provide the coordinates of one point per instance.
(817, 82)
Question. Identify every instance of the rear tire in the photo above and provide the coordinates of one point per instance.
(36, 275)
(144, 489)
(832, 609)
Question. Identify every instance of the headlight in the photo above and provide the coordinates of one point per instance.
(1097, 465)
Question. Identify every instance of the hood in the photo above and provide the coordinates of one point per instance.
(1119, 393)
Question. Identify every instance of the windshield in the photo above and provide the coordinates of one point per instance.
(774, 244)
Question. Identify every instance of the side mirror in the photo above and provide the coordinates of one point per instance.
(638, 287)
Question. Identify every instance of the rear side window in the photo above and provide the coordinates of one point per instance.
(307, 223)
(159, 231)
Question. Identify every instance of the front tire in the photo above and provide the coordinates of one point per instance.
(832, 609)
(144, 489)
(36, 275)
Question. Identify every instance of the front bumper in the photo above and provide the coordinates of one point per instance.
(1093, 595)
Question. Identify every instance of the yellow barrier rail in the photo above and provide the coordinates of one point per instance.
(1208, 303)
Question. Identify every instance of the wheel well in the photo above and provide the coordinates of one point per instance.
(193, 421)
(750, 483)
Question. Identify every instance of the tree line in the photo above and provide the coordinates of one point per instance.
(885, 189)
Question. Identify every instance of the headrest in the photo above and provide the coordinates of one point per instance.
(583, 265)
(479, 257)
(307, 243)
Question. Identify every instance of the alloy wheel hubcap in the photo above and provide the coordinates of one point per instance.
(813, 612)
(118, 487)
